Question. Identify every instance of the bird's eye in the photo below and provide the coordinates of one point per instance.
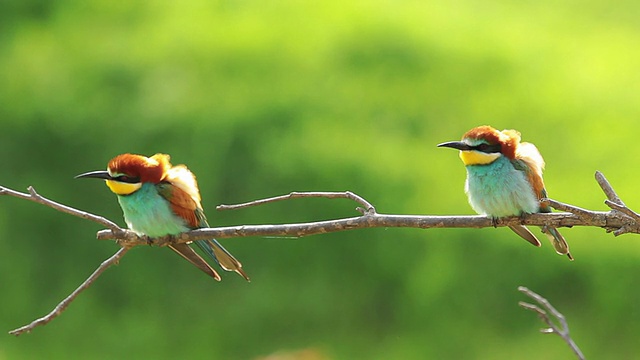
(486, 148)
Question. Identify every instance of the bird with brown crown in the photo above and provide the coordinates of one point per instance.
(504, 178)
(159, 199)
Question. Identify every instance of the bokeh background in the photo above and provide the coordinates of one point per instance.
(263, 98)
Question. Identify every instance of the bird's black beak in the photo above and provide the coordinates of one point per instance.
(100, 174)
(456, 145)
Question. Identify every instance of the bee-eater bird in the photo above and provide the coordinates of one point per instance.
(159, 199)
(504, 178)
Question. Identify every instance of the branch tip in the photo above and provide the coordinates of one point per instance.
(607, 188)
(562, 331)
(299, 194)
(62, 306)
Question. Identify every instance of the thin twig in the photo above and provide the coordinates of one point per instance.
(35, 197)
(607, 188)
(367, 208)
(617, 206)
(62, 306)
(583, 213)
(562, 331)
(628, 216)
(623, 209)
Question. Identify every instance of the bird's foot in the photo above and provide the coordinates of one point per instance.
(522, 216)
(163, 240)
(545, 229)
(148, 240)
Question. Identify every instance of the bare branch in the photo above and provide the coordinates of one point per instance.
(600, 219)
(617, 205)
(562, 331)
(575, 217)
(582, 213)
(114, 228)
(620, 220)
(623, 209)
(607, 188)
(35, 197)
(62, 306)
(367, 208)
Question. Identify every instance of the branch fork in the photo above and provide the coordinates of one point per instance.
(630, 218)
(543, 314)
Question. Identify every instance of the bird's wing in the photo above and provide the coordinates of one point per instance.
(191, 256)
(182, 178)
(529, 160)
(182, 204)
(185, 206)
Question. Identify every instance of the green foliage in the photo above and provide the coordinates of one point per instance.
(263, 98)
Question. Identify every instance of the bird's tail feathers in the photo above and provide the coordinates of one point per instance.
(526, 234)
(226, 260)
(557, 240)
(222, 257)
(191, 256)
(205, 246)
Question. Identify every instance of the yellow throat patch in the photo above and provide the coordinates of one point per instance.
(472, 157)
(122, 188)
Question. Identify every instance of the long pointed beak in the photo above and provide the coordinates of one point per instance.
(456, 145)
(100, 174)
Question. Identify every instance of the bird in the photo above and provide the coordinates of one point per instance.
(160, 199)
(504, 178)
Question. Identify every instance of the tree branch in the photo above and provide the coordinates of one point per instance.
(619, 219)
(562, 331)
(32, 195)
(598, 219)
(35, 197)
(62, 306)
(607, 188)
(367, 208)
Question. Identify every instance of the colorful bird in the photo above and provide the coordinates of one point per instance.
(504, 178)
(159, 199)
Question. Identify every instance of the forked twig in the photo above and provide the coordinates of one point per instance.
(62, 306)
(631, 220)
(367, 208)
(562, 330)
(35, 197)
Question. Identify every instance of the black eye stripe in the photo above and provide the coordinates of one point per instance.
(128, 179)
(486, 148)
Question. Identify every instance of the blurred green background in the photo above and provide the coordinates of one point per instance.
(263, 98)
